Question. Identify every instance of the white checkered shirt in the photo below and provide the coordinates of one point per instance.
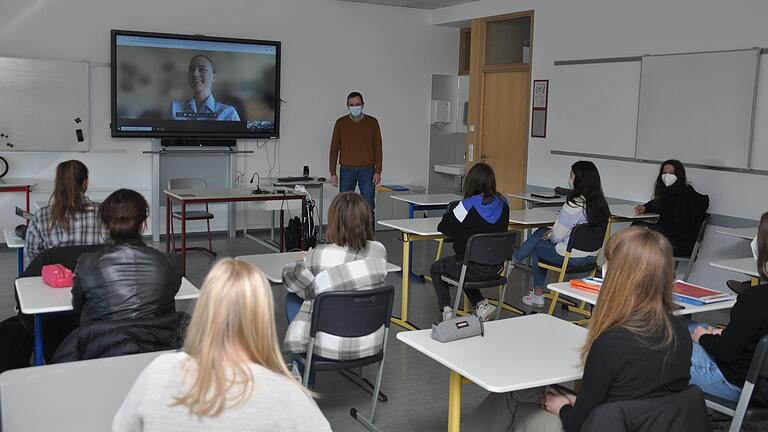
(84, 229)
(334, 268)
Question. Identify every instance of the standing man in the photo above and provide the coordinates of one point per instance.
(356, 146)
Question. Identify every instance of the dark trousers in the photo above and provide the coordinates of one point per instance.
(451, 267)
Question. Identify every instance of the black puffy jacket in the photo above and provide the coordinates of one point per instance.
(681, 213)
(124, 280)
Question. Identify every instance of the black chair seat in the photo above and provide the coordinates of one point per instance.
(572, 269)
(194, 215)
(324, 364)
(476, 285)
(755, 411)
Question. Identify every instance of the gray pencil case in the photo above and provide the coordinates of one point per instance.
(458, 328)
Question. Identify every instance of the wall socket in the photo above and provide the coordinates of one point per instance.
(471, 153)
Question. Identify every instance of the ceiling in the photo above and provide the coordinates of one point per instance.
(418, 4)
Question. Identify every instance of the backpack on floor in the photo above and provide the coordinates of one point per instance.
(16, 344)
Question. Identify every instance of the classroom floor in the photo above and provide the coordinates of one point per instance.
(417, 387)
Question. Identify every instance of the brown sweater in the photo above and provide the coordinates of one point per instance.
(356, 144)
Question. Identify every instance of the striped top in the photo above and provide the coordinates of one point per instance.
(571, 214)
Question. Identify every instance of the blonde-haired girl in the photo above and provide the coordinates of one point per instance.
(231, 375)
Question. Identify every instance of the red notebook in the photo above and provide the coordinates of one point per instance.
(699, 294)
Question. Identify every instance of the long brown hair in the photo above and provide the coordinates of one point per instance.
(349, 221)
(68, 195)
(481, 180)
(637, 290)
(233, 325)
(762, 247)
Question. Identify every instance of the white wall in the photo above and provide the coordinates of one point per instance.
(329, 49)
(570, 30)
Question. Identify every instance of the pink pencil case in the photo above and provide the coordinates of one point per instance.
(57, 276)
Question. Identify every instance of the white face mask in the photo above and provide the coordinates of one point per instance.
(570, 182)
(668, 179)
(605, 269)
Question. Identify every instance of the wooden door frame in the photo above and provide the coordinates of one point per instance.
(478, 69)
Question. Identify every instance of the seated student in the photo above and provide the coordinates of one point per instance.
(483, 210)
(721, 357)
(681, 209)
(635, 349)
(585, 204)
(126, 285)
(231, 375)
(70, 218)
(351, 260)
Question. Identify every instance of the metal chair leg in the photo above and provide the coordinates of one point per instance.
(367, 422)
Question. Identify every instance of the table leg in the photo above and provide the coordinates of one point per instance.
(282, 230)
(20, 261)
(168, 223)
(454, 402)
(402, 321)
(27, 193)
(38, 340)
(272, 228)
(411, 274)
(183, 237)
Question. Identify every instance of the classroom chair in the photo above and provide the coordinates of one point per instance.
(193, 215)
(694, 252)
(744, 410)
(684, 411)
(489, 249)
(586, 238)
(351, 314)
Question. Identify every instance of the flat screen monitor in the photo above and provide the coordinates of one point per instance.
(169, 85)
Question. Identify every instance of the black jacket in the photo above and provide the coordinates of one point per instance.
(680, 412)
(124, 280)
(681, 213)
(110, 338)
(460, 231)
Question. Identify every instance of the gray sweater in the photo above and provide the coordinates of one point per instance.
(275, 404)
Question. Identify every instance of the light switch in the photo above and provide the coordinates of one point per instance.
(471, 128)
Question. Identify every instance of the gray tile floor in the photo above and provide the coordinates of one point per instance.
(416, 386)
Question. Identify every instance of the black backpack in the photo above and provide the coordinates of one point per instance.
(300, 233)
(16, 344)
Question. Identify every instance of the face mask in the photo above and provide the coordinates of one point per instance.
(668, 179)
(570, 182)
(356, 111)
(605, 269)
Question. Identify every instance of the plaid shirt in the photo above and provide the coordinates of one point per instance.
(333, 268)
(84, 229)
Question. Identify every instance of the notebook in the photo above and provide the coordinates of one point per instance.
(685, 292)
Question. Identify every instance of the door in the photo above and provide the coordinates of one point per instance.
(503, 127)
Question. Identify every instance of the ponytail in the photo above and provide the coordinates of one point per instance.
(68, 193)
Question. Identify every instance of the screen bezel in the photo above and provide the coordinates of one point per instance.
(187, 134)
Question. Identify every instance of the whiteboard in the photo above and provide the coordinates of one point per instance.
(594, 108)
(45, 103)
(697, 107)
(760, 133)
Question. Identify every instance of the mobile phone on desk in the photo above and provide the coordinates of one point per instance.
(23, 214)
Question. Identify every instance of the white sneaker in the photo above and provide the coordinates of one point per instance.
(485, 310)
(448, 313)
(534, 300)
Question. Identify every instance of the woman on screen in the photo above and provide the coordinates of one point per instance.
(201, 75)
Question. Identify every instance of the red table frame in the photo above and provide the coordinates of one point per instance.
(234, 199)
(25, 189)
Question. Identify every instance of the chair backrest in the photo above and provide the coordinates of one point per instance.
(65, 255)
(352, 313)
(187, 183)
(490, 249)
(587, 237)
(700, 236)
(684, 411)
